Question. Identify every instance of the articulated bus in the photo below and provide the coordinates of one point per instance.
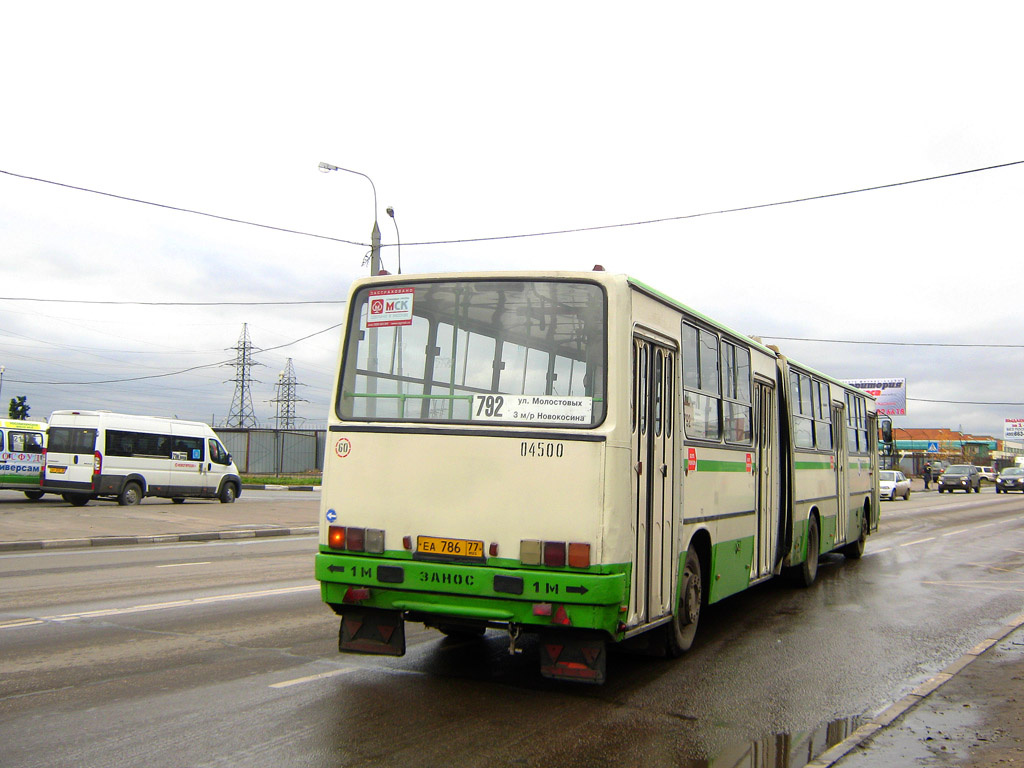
(577, 456)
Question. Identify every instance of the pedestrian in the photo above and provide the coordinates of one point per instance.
(927, 474)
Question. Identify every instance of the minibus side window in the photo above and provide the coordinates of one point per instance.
(218, 454)
(25, 442)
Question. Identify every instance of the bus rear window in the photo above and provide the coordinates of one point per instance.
(71, 440)
(505, 351)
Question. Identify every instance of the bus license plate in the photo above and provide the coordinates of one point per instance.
(56, 470)
(431, 545)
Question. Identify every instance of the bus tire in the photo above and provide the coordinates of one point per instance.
(807, 571)
(178, 500)
(227, 493)
(76, 499)
(855, 549)
(683, 627)
(130, 495)
(34, 495)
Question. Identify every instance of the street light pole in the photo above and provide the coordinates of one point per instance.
(375, 235)
(391, 213)
(2, 369)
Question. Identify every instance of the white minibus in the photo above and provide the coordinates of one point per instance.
(103, 455)
(21, 455)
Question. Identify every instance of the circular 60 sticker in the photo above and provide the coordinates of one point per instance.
(343, 447)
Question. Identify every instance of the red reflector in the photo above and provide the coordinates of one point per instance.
(336, 537)
(579, 555)
(356, 539)
(554, 553)
(542, 609)
(554, 651)
(493, 549)
(355, 594)
(561, 617)
(407, 542)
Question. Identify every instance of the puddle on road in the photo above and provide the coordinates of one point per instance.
(780, 750)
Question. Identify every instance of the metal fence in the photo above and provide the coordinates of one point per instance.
(275, 451)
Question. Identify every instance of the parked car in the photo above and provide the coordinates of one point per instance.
(892, 484)
(963, 477)
(1010, 479)
(988, 473)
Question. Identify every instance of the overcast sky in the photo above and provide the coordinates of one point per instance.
(481, 120)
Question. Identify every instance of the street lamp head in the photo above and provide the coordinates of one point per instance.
(391, 211)
(327, 168)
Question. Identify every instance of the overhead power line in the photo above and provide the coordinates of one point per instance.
(546, 233)
(172, 373)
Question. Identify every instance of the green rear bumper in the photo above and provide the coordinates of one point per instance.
(520, 596)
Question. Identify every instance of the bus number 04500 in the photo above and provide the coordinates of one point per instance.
(541, 450)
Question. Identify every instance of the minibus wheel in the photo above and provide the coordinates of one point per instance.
(227, 493)
(75, 499)
(34, 495)
(130, 495)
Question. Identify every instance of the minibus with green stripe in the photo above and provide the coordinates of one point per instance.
(21, 455)
(575, 456)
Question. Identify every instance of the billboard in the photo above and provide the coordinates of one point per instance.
(890, 394)
(1013, 429)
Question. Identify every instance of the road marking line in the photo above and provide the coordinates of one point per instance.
(919, 541)
(314, 678)
(182, 565)
(957, 533)
(159, 606)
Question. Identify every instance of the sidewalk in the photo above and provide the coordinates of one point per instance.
(52, 523)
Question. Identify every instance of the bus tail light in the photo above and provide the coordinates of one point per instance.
(356, 539)
(579, 555)
(553, 553)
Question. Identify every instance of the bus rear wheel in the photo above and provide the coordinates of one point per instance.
(76, 500)
(807, 571)
(683, 627)
(855, 549)
(34, 495)
(130, 495)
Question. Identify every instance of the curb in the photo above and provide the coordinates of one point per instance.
(172, 538)
(249, 487)
(833, 755)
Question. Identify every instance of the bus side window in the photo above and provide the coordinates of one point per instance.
(1, 441)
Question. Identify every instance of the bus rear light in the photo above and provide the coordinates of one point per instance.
(493, 549)
(554, 553)
(97, 463)
(542, 609)
(356, 594)
(530, 552)
(407, 542)
(356, 539)
(579, 555)
(375, 541)
(336, 537)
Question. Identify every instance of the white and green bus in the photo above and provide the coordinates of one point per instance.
(574, 455)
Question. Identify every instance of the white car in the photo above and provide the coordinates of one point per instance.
(988, 473)
(893, 484)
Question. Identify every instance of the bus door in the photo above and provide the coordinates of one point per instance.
(654, 367)
(766, 492)
(842, 469)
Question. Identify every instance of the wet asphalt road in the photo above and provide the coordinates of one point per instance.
(222, 654)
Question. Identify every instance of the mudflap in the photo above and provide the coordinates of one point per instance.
(578, 657)
(372, 630)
